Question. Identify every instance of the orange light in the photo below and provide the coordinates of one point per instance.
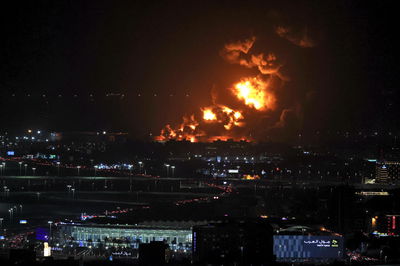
(251, 177)
(373, 221)
(208, 115)
(253, 92)
(234, 117)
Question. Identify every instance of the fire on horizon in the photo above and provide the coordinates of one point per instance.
(254, 94)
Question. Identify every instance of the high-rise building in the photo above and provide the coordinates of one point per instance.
(381, 173)
(387, 171)
(388, 224)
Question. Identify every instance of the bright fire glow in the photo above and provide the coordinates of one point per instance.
(185, 131)
(251, 177)
(189, 128)
(234, 117)
(208, 115)
(252, 94)
(253, 91)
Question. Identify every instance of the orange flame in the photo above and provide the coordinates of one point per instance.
(253, 91)
(234, 117)
(251, 177)
(188, 129)
(209, 115)
(185, 131)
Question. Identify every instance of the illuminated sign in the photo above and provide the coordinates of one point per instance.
(46, 250)
(287, 247)
(373, 193)
(233, 171)
(10, 153)
(122, 254)
(23, 221)
(323, 243)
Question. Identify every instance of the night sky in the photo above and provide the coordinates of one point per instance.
(347, 81)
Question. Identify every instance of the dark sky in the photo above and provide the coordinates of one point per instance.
(348, 80)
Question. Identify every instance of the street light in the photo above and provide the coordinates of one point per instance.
(58, 168)
(140, 167)
(25, 165)
(173, 170)
(33, 169)
(20, 168)
(50, 223)
(4, 167)
(38, 195)
(78, 168)
(91, 163)
(167, 165)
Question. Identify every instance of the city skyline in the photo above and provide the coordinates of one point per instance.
(199, 133)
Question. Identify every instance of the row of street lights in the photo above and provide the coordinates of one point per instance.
(96, 168)
(3, 168)
(11, 212)
(172, 169)
(71, 189)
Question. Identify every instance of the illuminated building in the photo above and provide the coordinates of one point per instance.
(386, 225)
(387, 171)
(308, 247)
(46, 250)
(393, 224)
(382, 175)
(178, 238)
(306, 244)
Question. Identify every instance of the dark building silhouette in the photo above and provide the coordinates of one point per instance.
(22, 256)
(242, 242)
(153, 253)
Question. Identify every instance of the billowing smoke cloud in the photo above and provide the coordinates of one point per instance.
(300, 38)
(232, 51)
(255, 99)
(289, 117)
(239, 53)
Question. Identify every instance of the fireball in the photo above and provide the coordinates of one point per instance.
(209, 115)
(253, 92)
(256, 93)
